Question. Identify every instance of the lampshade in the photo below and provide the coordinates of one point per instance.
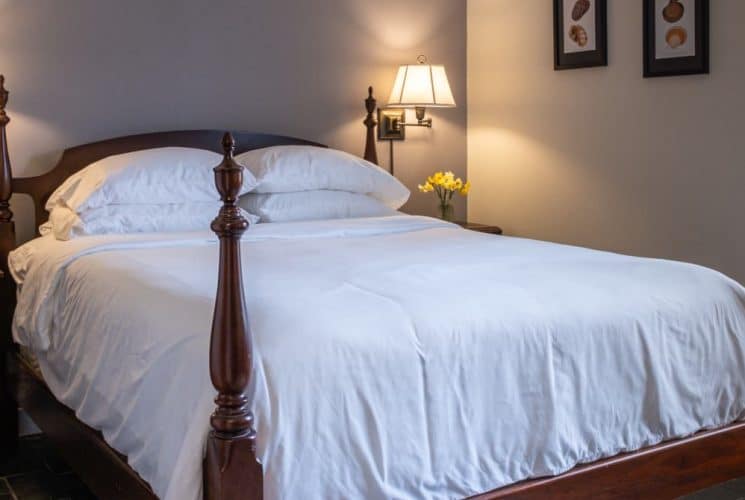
(424, 85)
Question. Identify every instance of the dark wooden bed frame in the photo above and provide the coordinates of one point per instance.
(231, 470)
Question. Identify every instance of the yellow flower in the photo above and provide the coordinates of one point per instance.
(426, 187)
(445, 184)
(436, 179)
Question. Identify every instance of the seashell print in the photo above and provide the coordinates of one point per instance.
(580, 9)
(676, 37)
(673, 12)
(578, 35)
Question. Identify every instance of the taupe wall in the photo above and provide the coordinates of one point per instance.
(83, 70)
(601, 157)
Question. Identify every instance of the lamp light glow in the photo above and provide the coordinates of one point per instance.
(421, 86)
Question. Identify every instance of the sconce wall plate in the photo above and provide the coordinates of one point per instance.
(391, 124)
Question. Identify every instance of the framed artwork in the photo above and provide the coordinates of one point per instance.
(676, 37)
(580, 34)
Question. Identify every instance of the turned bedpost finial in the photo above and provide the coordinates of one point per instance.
(3, 100)
(371, 153)
(229, 176)
(370, 102)
(6, 178)
(228, 144)
(231, 470)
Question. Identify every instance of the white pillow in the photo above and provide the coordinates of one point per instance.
(162, 175)
(312, 205)
(65, 224)
(282, 169)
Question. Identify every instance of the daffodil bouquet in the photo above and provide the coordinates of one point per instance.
(445, 184)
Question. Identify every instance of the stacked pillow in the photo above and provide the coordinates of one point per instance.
(312, 205)
(307, 183)
(163, 189)
(173, 190)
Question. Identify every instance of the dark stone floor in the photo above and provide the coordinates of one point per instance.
(37, 473)
(731, 490)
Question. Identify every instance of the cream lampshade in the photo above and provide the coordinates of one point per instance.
(420, 86)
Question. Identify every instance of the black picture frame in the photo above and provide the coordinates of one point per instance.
(586, 59)
(693, 65)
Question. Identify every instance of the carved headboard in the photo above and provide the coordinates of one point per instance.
(75, 158)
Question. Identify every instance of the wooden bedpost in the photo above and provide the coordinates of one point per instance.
(7, 227)
(371, 153)
(231, 470)
(8, 407)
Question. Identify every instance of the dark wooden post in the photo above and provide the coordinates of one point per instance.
(7, 227)
(371, 153)
(8, 407)
(231, 470)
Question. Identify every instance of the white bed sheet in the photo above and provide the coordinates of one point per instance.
(397, 357)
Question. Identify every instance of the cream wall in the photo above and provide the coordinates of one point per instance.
(602, 157)
(85, 70)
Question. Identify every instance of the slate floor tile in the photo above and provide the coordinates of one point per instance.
(736, 485)
(717, 492)
(38, 473)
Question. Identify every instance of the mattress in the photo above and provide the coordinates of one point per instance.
(396, 357)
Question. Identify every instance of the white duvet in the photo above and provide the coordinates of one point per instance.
(397, 357)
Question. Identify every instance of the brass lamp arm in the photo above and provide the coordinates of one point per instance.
(420, 120)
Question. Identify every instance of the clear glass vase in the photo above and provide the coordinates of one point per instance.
(447, 211)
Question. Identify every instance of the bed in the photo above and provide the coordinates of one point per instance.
(382, 357)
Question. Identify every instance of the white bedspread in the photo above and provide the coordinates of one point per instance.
(397, 357)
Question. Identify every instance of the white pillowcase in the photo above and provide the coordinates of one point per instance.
(282, 169)
(312, 205)
(162, 175)
(66, 224)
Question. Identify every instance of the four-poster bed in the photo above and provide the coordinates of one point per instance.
(231, 469)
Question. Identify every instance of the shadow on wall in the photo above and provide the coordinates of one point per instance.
(25, 134)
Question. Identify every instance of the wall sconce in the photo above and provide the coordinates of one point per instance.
(417, 86)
